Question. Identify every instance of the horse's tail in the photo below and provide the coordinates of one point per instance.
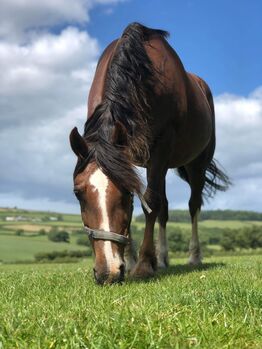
(215, 179)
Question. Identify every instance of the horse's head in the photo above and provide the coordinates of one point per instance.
(106, 211)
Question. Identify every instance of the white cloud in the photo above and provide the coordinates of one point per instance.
(38, 162)
(45, 61)
(239, 126)
(45, 78)
(20, 18)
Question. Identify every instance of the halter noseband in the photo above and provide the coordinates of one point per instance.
(98, 234)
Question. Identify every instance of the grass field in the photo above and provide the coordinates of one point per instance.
(60, 306)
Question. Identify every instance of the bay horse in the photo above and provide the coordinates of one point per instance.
(144, 110)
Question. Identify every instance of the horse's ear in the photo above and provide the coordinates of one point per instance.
(78, 144)
(119, 136)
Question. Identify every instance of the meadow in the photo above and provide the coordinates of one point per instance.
(218, 305)
(59, 306)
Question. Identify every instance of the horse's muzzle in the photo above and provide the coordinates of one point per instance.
(106, 278)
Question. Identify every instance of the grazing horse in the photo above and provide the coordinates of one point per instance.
(144, 110)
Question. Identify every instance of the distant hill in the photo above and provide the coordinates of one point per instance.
(219, 215)
(174, 215)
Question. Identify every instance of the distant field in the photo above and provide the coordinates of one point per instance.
(19, 248)
(59, 306)
(209, 224)
(227, 224)
(26, 227)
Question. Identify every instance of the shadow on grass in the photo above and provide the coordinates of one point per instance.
(178, 269)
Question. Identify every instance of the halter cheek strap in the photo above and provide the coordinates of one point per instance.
(144, 203)
(97, 234)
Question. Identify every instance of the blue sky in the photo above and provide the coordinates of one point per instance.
(220, 40)
(48, 54)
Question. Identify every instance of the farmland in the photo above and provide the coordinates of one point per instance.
(14, 248)
(19, 248)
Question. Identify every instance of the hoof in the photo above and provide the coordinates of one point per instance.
(162, 262)
(195, 260)
(143, 270)
(130, 265)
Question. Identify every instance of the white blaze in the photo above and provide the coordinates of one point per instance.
(100, 183)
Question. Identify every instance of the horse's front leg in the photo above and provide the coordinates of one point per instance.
(130, 255)
(162, 245)
(147, 262)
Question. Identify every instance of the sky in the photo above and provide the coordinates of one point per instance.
(48, 54)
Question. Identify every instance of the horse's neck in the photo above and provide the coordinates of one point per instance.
(98, 86)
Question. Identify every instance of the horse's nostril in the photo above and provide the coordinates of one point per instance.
(122, 270)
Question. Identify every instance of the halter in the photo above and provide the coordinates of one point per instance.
(97, 234)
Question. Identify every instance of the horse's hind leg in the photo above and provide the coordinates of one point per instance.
(162, 246)
(196, 179)
(195, 256)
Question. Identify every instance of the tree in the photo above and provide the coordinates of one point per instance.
(83, 240)
(41, 232)
(60, 218)
(254, 236)
(58, 235)
(19, 232)
(178, 240)
(242, 238)
(228, 240)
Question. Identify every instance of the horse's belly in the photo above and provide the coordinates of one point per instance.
(186, 145)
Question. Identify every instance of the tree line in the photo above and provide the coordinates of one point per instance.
(220, 215)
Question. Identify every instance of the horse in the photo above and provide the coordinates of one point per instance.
(144, 110)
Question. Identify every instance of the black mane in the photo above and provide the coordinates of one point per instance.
(129, 83)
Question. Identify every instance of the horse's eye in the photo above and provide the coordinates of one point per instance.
(77, 193)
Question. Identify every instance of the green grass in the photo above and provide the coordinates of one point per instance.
(60, 306)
